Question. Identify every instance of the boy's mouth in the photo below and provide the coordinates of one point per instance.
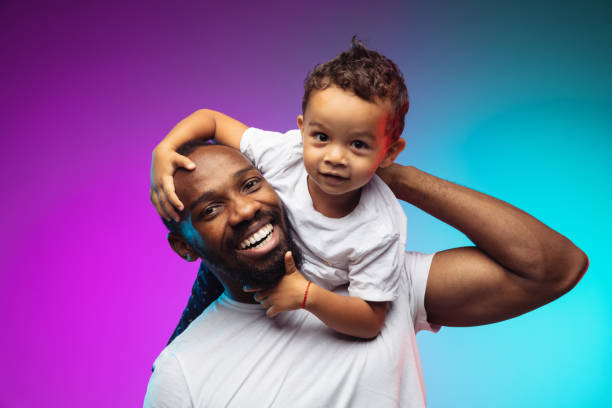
(333, 178)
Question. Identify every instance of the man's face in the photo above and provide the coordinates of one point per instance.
(232, 217)
(344, 139)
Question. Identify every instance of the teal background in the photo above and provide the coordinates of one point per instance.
(512, 98)
(515, 101)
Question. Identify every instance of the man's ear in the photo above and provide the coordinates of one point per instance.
(392, 152)
(182, 247)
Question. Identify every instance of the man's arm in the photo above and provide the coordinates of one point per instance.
(167, 386)
(518, 263)
(202, 124)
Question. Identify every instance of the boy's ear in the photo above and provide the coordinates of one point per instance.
(392, 152)
(300, 121)
(182, 247)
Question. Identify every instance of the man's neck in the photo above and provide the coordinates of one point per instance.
(233, 288)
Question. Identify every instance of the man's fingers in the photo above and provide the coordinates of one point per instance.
(271, 312)
(289, 263)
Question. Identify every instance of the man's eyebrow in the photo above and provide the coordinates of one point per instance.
(205, 196)
(243, 170)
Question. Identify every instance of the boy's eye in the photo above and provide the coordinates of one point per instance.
(321, 137)
(358, 144)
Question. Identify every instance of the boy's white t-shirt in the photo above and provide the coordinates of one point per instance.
(364, 248)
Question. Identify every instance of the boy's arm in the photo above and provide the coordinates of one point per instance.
(345, 314)
(517, 265)
(202, 124)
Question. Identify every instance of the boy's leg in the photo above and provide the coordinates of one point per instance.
(206, 289)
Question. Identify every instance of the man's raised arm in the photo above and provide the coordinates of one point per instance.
(518, 263)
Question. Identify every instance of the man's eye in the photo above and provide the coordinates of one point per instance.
(321, 137)
(358, 144)
(210, 211)
(251, 184)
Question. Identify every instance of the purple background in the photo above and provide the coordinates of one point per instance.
(510, 99)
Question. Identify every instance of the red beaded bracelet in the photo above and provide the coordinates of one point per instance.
(305, 295)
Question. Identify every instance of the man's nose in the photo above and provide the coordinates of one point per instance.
(244, 208)
(335, 155)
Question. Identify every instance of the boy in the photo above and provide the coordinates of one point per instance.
(346, 220)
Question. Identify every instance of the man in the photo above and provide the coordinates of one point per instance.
(233, 355)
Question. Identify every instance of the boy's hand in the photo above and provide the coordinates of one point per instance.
(164, 163)
(288, 294)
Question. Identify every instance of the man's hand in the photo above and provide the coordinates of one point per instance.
(288, 294)
(164, 163)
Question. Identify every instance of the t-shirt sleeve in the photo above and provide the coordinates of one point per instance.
(375, 276)
(417, 268)
(167, 386)
(271, 152)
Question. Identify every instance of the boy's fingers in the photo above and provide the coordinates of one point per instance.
(271, 312)
(289, 263)
(159, 207)
(155, 202)
(248, 289)
(262, 295)
(183, 161)
(168, 209)
(171, 194)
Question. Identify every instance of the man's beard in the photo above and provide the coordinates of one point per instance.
(259, 277)
(268, 277)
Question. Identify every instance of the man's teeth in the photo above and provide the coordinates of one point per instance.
(259, 235)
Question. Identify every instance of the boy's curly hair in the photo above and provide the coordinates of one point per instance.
(369, 75)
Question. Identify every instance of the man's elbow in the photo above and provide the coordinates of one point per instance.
(570, 272)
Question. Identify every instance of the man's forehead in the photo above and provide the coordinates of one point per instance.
(214, 153)
(216, 167)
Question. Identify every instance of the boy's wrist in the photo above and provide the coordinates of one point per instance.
(310, 295)
(164, 146)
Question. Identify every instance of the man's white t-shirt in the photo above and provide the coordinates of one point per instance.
(364, 248)
(232, 355)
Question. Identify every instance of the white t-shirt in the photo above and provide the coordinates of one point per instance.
(232, 355)
(364, 248)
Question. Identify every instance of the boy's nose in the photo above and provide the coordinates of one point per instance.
(335, 156)
(243, 208)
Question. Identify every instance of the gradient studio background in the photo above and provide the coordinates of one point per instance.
(510, 98)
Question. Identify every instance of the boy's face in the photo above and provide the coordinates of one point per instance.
(344, 140)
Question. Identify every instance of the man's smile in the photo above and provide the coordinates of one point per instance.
(260, 243)
(257, 238)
